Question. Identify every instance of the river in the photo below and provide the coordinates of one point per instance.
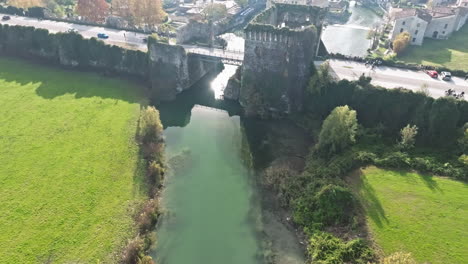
(351, 38)
(213, 211)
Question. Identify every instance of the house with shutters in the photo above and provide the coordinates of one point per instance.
(437, 23)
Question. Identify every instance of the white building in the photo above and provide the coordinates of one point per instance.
(437, 23)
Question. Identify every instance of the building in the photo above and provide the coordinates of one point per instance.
(338, 6)
(462, 3)
(413, 21)
(436, 23)
(316, 3)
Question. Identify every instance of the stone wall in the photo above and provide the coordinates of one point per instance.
(172, 70)
(195, 30)
(277, 60)
(168, 68)
(71, 50)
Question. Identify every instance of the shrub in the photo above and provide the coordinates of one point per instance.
(333, 205)
(147, 260)
(399, 258)
(133, 252)
(463, 141)
(408, 136)
(443, 120)
(401, 42)
(155, 173)
(396, 159)
(338, 131)
(150, 125)
(325, 248)
(148, 216)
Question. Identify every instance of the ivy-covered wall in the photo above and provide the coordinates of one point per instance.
(166, 67)
(279, 49)
(70, 49)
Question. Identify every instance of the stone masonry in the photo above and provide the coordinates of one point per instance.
(280, 45)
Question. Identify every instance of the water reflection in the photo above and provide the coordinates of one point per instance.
(219, 83)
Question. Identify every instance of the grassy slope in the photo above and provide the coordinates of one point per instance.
(451, 53)
(424, 215)
(68, 163)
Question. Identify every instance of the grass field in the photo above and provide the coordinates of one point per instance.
(424, 215)
(451, 53)
(69, 171)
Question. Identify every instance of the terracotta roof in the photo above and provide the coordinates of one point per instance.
(439, 12)
(411, 12)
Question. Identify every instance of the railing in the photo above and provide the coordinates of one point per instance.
(228, 56)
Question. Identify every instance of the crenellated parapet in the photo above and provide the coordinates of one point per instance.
(280, 45)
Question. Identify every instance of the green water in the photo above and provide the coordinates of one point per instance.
(210, 213)
(213, 209)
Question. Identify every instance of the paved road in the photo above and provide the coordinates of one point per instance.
(116, 37)
(389, 77)
(121, 38)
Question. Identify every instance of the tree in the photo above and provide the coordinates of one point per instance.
(463, 141)
(25, 3)
(374, 34)
(401, 42)
(140, 12)
(443, 119)
(338, 131)
(151, 128)
(214, 12)
(93, 10)
(408, 136)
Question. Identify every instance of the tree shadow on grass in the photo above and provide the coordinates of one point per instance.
(54, 81)
(428, 180)
(371, 202)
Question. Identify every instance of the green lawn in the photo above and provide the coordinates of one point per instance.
(451, 53)
(424, 215)
(68, 164)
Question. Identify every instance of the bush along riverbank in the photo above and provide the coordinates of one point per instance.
(364, 125)
(150, 138)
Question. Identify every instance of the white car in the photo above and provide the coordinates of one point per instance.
(446, 76)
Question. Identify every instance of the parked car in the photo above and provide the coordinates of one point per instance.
(446, 76)
(145, 40)
(4, 18)
(72, 30)
(102, 36)
(433, 74)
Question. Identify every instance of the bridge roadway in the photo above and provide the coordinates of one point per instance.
(122, 38)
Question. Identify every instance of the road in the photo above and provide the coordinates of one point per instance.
(123, 38)
(390, 77)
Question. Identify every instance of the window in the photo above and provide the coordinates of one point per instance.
(401, 30)
(446, 25)
(416, 32)
(404, 23)
(418, 25)
(414, 39)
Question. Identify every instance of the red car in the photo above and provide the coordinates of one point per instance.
(433, 74)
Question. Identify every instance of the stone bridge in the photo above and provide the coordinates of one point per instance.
(232, 57)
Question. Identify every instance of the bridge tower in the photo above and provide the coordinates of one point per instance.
(280, 46)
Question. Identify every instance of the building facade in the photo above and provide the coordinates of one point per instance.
(436, 23)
